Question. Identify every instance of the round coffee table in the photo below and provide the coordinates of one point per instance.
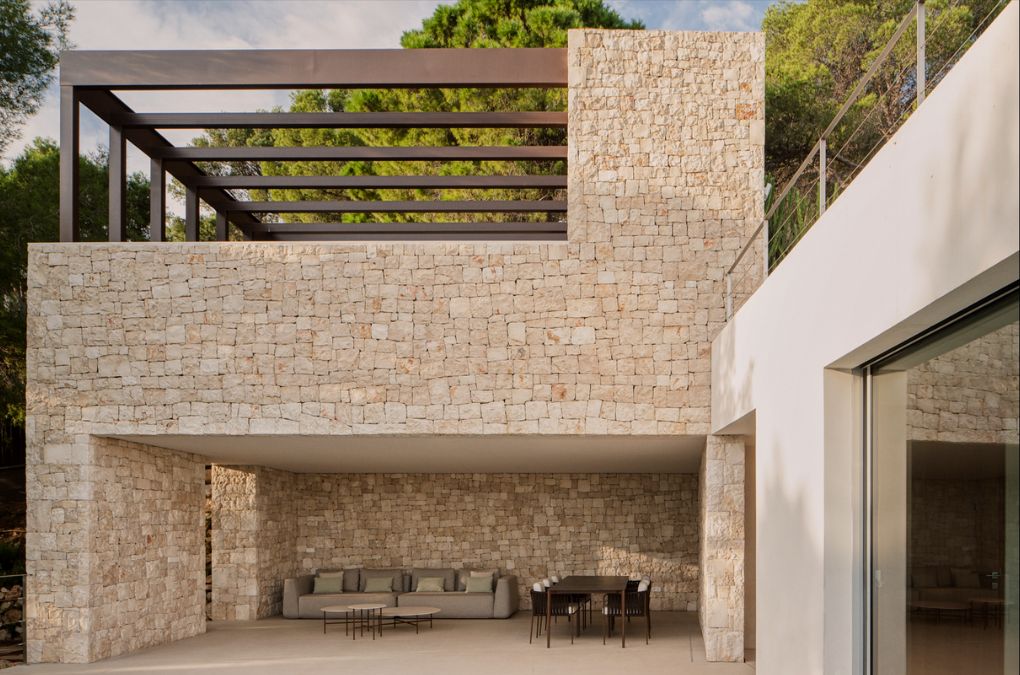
(938, 607)
(412, 616)
(365, 614)
(336, 609)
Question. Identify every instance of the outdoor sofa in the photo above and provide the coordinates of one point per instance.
(300, 601)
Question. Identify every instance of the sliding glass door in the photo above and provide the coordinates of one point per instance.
(943, 490)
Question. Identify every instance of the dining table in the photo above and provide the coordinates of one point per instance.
(580, 585)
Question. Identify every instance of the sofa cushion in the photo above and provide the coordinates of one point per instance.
(945, 577)
(464, 575)
(429, 584)
(451, 605)
(350, 577)
(448, 575)
(481, 584)
(310, 605)
(396, 575)
(379, 585)
(328, 584)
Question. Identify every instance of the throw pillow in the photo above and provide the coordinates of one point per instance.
(328, 584)
(479, 584)
(378, 585)
(430, 585)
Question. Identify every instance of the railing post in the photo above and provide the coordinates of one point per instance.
(729, 296)
(921, 59)
(821, 176)
(68, 163)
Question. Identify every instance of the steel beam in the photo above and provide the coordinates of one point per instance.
(363, 153)
(117, 178)
(221, 226)
(384, 182)
(406, 228)
(314, 68)
(421, 236)
(191, 214)
(105, 105)
(345, 120)
(157, 200)
(69, 164)
(440, 206)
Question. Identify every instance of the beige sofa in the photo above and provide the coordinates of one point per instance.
(300, 602)
(945, 583)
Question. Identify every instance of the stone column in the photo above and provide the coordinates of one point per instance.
(254, 540)
(721, 601)
(114, 548)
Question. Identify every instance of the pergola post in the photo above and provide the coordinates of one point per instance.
(157, 200)
(221, 226)
(68, 163)
(117, 170)
(191, 214)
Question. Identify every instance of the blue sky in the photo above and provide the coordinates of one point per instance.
(294, 24)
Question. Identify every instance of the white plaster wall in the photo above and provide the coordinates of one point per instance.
(929, 227)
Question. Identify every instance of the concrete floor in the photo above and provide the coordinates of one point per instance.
(453, 647)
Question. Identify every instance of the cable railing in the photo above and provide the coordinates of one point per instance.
(823, 175)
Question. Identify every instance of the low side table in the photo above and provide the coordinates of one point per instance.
(412, 616)
(366, 614)
(990, 607)
(336, 609)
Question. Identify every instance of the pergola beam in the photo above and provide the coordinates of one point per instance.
(440, 206)
(345, 120)
(408, 228)
(314, 68)
(383, 182)
(364, 153)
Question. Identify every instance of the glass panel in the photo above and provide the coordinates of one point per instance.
(944, 492)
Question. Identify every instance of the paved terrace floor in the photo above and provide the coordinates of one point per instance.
(452, 647)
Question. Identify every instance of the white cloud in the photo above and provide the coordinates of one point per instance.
(219, 24)
(735, 15)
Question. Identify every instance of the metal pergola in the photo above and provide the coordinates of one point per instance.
(90, 78)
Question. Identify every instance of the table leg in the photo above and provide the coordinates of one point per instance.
(623, 617)
(323, 622)
(548, 617)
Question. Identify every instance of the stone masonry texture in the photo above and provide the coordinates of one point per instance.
(721, 601)
(116, 555)
(606, 333)
(254, 530)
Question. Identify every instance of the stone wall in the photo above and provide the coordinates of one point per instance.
(530, 525)
(115, 549)
(969, 394)
(721, 602)
(254, 540)
(607, 333)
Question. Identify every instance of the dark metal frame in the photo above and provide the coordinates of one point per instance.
(89, 78)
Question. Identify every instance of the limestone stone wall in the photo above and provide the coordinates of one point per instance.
(115, 549)
(530, 525)
(607, 333)
(969, 394)
(721, 601)
(254, 540)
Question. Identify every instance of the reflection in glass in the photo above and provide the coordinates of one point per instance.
(944, 500)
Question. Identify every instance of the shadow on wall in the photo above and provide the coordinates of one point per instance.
(670, 574)
(789, 575)
(974, 169)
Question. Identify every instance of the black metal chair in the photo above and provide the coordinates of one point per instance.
(638, 604)
(561, 606)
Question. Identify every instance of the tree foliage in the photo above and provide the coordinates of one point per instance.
(467, 23)
(29, 48)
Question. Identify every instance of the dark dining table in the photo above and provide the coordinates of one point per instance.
(577, 585)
